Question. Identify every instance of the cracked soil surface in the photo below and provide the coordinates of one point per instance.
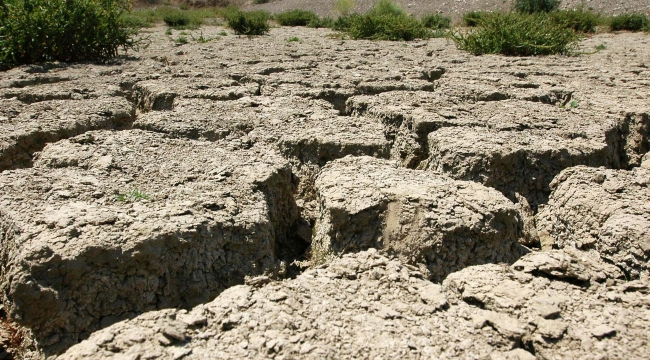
(324, 198)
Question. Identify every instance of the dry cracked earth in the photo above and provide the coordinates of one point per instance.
(323, 198)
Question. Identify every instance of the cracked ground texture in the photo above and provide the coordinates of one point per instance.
(259, 198)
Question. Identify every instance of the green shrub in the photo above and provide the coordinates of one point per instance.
(343, 23)
(436, 21)
(631, 22)
(518, 34)
(296, 17)
(535, 6)
(134, 22)
(257, 2)
(248, 23)
(387, 27)
(325, 22)
(474, 18)
(63, 30)
(578, 20)
(176, 20)
(385, 21)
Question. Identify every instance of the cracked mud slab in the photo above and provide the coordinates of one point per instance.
(428, 219)
(368, 305)
(601, 210)
(111, 224)
(25, 129)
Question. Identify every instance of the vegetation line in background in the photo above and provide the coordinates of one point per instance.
(73, 30)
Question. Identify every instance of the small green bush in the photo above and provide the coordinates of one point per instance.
(535, 6)
(387, 27)
(385, 21)
(578, 20)
(436, 21)
(343, 23)
(63, 30)
(631, 22)
(176, 20)
(296, 18)
(325, 22)
(518, 34)
(474, 18)
(248, 23)
(134, 22)
(257, 2)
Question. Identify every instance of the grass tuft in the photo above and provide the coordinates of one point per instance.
(174, 17)
(630, 22)
(436, 21)
(133, 195)
(578, 19)
(519, 35)
(536, 6)
(296, 18)
(474, 18)
(385, 21)
(248, 23)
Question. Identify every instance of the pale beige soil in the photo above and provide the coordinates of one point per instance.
(328, 198)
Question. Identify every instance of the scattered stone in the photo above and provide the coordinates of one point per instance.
(603, 331)
(551, 329)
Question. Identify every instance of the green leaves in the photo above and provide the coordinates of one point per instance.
(385, 21)
(631, 22)
(62, 30)
(518, 34)
(248, 23)
(296, 18)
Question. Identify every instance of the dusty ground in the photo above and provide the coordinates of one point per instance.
(166, 204)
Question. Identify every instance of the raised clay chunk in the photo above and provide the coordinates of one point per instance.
(604, 210)
(555, 304)
(25, 129)
(363, 305)
(425, 218)
(511, 161)
(110, 224)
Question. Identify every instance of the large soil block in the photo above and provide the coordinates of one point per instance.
(25, 129)
(601, 210)
(110, 224)
(426, 218)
